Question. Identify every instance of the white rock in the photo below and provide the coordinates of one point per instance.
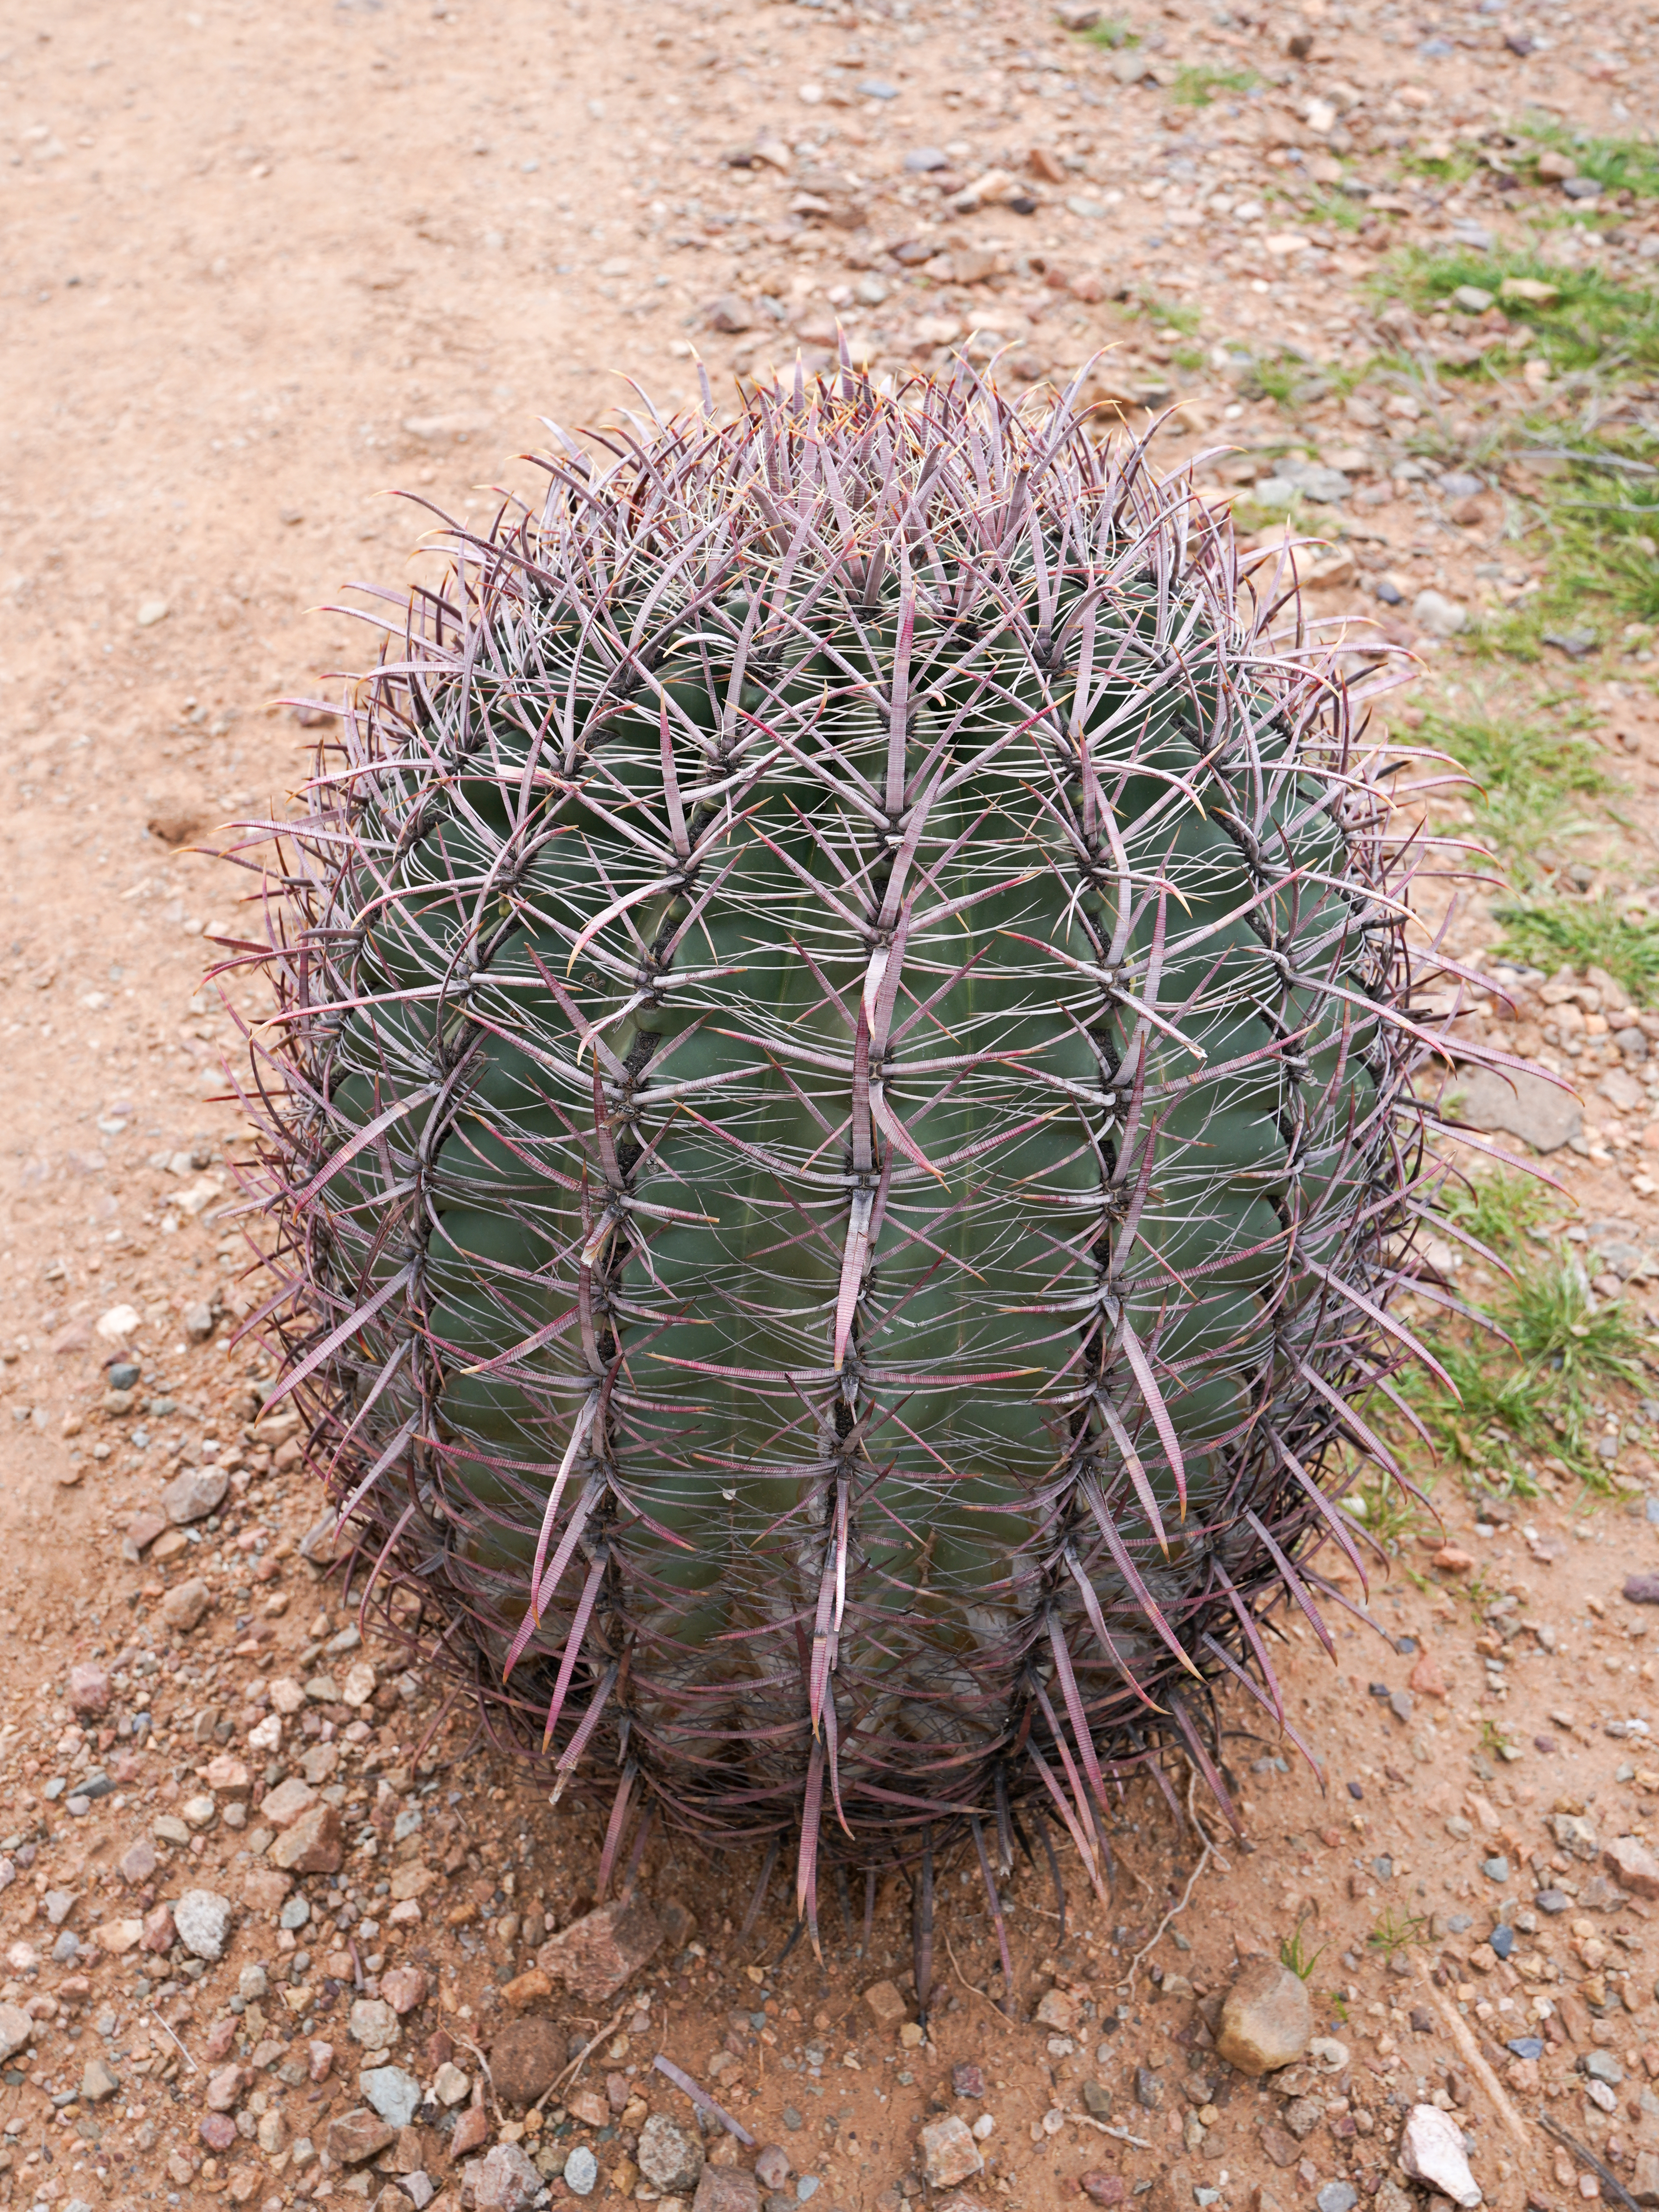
(1439, 615)
(203, 1919)
(15, 2029)
(151, 611)
(267, 1735)
(118, 1323)
(1327, 2054)
(1432, 2150)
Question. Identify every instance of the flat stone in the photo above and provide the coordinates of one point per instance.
(526, 1988)
(1056, 2010)
(526, 2057)
(1540, 1114)
(730, 313)
(282, 1807)
(581, 2172)
(1602, 2066)
(117, 1937)
(404, 1988)
(949, 2153)
(264, 1888)
(1575, 1835)
(15, 2029)
(354, 2137)
(1426, 1678)
(449, 2084)
(1633, 1865)
(203, 1920)
(727, 2189)
(229, 1777)
(504, 2180)
(225, 2085)
(98, 2080)
(184, 1606)
(1432, 2150)
(1282, 2149)
(588, 2106)
(90, 1691)
(314, 1844)
(1266, 2020)
(669, 2156)
(395, 2095)
(1337, 2196)
(1622, 1090)
(196, 1494)
(598, 1953)
(141, 1533)
(374, 2024)
(1103, 2188)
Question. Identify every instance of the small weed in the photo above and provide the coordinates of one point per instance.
(1556, 1323)
(1395, 1931)
(1525, 767)
(1293, 1953)
(1171, 314)
(1454, 165)
(1280, 381)
(1388, 1511)
(1112, 35)
(1617, 164)
(1335, 208)
(1197, 83)
(1497, 1209)
(1585, 933)
(1338, 2002)
(1586, 320)
(1188, 357)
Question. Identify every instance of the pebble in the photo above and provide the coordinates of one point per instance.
(967, 2080)
(1602, 2066)
(194, 1494)
(394, 2094)
(669, 2156)
(98, 2080)
(949, 2153)
(773, 2167)
(184, 1606)
(449, 2084)
(201, 1918)
(1496, 1870)
(1432, 2151)
(1337, 2196)
(504, 2180)
(374, 2024)
(1633, 1865)
(1440, 615)
(526, 2057)
(404, 1988)
(90, 1691)
(354, 2137)
(15, 2029)
(1266, 2019)
(581, 2170)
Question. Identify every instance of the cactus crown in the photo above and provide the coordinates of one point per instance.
(844, 1098)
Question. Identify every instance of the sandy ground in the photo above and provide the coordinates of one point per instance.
(261, 268)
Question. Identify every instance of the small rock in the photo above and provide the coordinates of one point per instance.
(314, 1844)
(1301, 2116)
(1056, 2010)
(117, 1937)
(581, 2170)
(1633, 1865)
(1575, 1835)
(203, 1919)
(598, 1953)
(773, 2167)
(354, 2137)
(15, 2029)
(1337, 2196)
(1103, 2188)
(183, 1607)
(471, 2128)
(218, 2131)
(504, 2180)
(1149, 2089)
(729, 2189)
(1540, 1114)
(886, 2003)
(1432, 2150)
(395, 2095)
(374, 2024)
(669, 2156)
(589, 2107)
(192, 1496)
(1440, 615)
(1266, 2020)
(730, 313)
(526, 2057)
(98, 2080)
(90, 1691)
(1642, 1589)
(404, 1988)
(449, 2084)
(949, 2153)
(224, 2086)
(1426, 1678)
(282, 1807)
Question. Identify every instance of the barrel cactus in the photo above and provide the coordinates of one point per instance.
(841, 1112)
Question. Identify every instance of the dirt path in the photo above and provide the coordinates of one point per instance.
(263, 267)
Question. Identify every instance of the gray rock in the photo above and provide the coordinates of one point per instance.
(1432, 2150)
(1602, 2066)
(581, 2170)
(1472, 300)
(923, 159)
(1441, 616)
(1621, 1089)
(395, 2095)
(1540, 1114)
(504, 2180)
(1324, 486)
(194, 1494)
(1457, 485)
(203, 1919)
(1632, 1043)
(1337, 2196)
(669, 2156)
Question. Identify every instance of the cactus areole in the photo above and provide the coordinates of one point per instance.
(840, 1120)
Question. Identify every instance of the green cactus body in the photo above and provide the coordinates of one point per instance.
(851, 1116)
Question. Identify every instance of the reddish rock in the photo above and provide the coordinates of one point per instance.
(220, 2037)
(225, 2086)
(504, 2180)
(141, 1533)
(525, 1989)
(159, 1931)
(1452, 1560)
(282, 1807)
(1633, 1865)
(949, 2153)
(319, 2060)
(228, 1777)
(314, 1844)
(264, 1888)
(182, 1607)
(525, 2058)
(1282, 2149)
(471, 2130)
(1103, 2188)
(218, 2131)
(1642, 1589)
(404, 1988)
(589, 2107)
(356, 2135)
(1426, 1678)
(90, 1691)
(598, 1953)
(137, 1863)
(727, 2189)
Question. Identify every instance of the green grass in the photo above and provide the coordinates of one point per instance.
(1616, 164)
(1111, 35)
(1394, 1931)
(1335, 208)
(1528, 766)
(1170, 314)
(1557, 1325)
(1293, 1953)
(1601, 524)
(1593, 321)
(1498, 1210)
(1455, 167)
(1197, 84)
(1581, 933)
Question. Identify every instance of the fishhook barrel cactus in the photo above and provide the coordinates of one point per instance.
(842, 1122)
